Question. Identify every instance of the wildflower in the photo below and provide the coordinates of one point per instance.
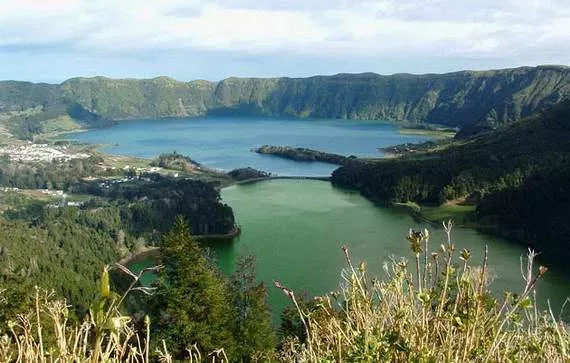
(105, 289)
(424, 297)
(465, 255)
(416, 238)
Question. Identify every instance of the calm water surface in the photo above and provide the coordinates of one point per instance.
(225, 142)
(296, 229)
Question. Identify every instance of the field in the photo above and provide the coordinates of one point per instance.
(457, 210)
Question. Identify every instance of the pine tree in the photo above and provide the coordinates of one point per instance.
(193, 302)
(255, 334)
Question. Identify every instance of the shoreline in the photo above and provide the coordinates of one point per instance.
(436, 134)
(291, 177)
(149, 251)
(405, 128)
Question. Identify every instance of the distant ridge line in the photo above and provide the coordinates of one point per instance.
(458, 99)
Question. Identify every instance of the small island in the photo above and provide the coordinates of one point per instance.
(303, 154)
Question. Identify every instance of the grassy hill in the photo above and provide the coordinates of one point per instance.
(457, 99)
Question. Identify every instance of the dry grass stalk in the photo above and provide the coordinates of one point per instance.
(432, 314)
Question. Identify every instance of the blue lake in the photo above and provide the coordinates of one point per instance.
(296, 227)
(225, 143)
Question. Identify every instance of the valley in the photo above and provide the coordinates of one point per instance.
(289, 191)
(240, 181)
(467, 99)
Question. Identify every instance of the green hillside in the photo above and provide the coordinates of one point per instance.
(458, 99)
(516, 176)
(130, 98)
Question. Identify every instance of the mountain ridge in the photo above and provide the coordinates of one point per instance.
(459, 99)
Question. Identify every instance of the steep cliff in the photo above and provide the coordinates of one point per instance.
(461, 99)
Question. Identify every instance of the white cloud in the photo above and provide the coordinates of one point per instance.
(375, 28)
(212, 27)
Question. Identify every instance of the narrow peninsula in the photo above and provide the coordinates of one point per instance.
(303, 154)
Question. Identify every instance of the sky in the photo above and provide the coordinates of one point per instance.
(52, 40)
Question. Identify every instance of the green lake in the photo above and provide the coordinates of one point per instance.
(296, 229)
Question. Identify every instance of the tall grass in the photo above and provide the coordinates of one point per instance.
(45, 334)
(436, 308)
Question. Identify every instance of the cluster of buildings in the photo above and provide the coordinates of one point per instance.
(40, 153)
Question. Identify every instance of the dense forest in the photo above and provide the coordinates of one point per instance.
(195, 302)
(153, 206)
(63, 249)
(515, 175)
(192, 301)
(48, 243)
(464, 99)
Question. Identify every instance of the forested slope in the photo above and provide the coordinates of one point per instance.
(62, 247)
(517, 175)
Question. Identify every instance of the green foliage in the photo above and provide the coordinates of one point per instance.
(247, 173)
(15, 296)
(482, 99)
(153, 206)
(518, 171)
(534, 211)
(175, 161)
(130, 98)
(19, 206)
(65, 250)
(254, 333)
(60, 115)
(192, 301)
(301, 154)
(291, 324)
(20, 96)
(195, 304)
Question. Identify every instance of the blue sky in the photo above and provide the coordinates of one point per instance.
(52, 40)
